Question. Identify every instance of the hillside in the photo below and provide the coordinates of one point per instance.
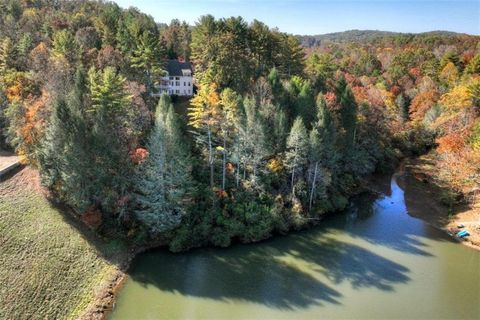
(355, 36)
(51, 267)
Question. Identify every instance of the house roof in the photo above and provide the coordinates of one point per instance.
(175, 67)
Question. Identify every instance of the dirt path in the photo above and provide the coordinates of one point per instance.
(423, 199)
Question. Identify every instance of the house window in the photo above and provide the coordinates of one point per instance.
(188, 91)
(178, 83)
(189, 84)
(171, 78)
(177, 78)
(172, 83)
(177, 91)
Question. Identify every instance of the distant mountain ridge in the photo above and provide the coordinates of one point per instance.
(310, 41)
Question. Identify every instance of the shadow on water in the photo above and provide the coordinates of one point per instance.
(266, 273)
(286, 272)
(322, 267)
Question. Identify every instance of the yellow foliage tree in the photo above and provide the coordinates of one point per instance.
(204, 115)
(449, 73)
(204, 107)
(457, 99)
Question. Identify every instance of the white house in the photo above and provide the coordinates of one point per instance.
(178, 79)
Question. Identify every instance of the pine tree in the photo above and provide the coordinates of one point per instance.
(305, 105)
(297, 149)
(178, 174)
(63, 157)
(78, 157)
(150, 185)
(7, 54)
(254, 148)
(53, 146)
(108, 114)
(64, 45)
(348, 112)
(321, 148)
(314, 158)
(280, 130)
(326, 130)
(148, 56)
(107, 92)
(403, 103)
(163, 180)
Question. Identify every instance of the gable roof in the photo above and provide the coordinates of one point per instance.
(175, 67)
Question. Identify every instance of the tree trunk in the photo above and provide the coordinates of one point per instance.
(237, 173)
(224, 161)
(312, 190)
(293, 185)
(210, 155)
(293, 171)
(354, 135)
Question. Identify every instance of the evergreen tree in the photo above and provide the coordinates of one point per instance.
(348, 112)
(78, 155)
(314, 159)
(51, 153)
(326, 129)
(253, 140)
(64, 156)
(305, 106)
(147, 57)
(403, 103)
(109, 116)
(64, 45)
(107, 92)
(320, 68)
(7, 54)
(163, 179)
(297, 150)
(280, 130)
(150, 184)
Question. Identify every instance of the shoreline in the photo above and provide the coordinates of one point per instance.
(422, 201)
(104, 301)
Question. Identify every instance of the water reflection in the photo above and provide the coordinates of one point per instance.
(374, 246)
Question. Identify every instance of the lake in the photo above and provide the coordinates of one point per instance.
(374, 261)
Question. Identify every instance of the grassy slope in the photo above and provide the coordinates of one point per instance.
(48, 267)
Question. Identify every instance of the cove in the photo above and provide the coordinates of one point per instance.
(374, 261)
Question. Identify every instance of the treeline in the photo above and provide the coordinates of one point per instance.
(427, 86)
(381, 38)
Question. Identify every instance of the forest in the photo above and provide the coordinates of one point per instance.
(276, 136)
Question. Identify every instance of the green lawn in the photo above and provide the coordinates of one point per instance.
(48, 268)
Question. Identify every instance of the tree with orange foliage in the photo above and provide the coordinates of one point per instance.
(452, 143)
(421, 104)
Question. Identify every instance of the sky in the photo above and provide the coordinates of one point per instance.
(321, 16)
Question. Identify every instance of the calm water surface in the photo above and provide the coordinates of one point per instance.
(374, 262)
